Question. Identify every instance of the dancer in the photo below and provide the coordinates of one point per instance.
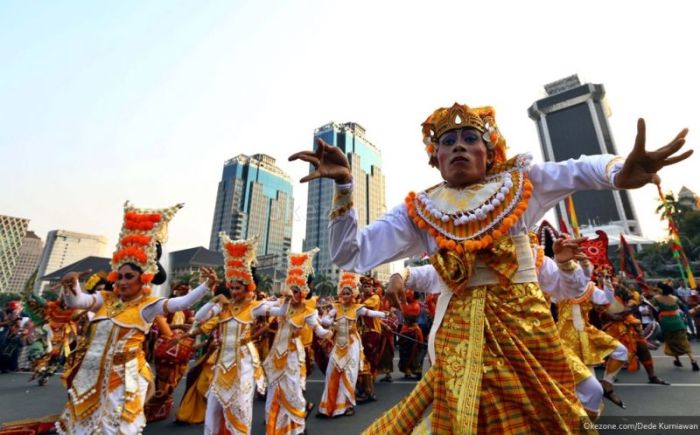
(562, 279)
(674, 329)
(237, 372)
(193, 405)
(584, 344)
(494, 337)
(411, 338)
(370, 329)
(344, 364)
(173, 350)
(110, 384)
(62, 331)
(619, 322)
(285, 366)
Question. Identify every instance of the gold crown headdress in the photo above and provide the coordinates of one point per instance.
(141, 231)
(300, 267)
(239, 256)
(351, 280)
(482, 119)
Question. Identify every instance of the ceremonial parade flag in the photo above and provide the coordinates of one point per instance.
(628, 263)
(571, 210)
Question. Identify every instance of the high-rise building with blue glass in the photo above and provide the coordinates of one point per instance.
(368, 192)
(254, 197)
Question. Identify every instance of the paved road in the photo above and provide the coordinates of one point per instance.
(19, 399)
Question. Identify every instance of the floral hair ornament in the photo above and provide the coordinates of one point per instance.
(95, 279)
(481, 119)
(142, 230)
(349, 280)
(239, 256)
(298, 271)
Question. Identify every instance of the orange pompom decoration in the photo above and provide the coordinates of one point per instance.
(235, 263)
(459, 248)
(298, 260)
(422, 225)
(146, 278)
(496, 234)
(432, 232)
(236, 250)
(146, 290)
(251, 287)
(451, 244)
(113, 276)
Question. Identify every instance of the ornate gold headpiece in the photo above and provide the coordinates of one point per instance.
(300, 267)
(482, 119)
(141, 231)
(351, 280)
(444, 119)
(239, 256)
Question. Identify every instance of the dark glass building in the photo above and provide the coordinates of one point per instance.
(573, 120)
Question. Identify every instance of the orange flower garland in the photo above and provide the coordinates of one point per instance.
(540, 258)
(477, 235)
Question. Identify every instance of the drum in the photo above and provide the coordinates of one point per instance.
(177, 350)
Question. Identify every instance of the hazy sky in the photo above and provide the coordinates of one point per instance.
(101, 102)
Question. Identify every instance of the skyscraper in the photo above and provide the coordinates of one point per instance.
(573, 120)
(254, 197)
(65, 247)
(12, 231)
(27, 262)
(368, 192)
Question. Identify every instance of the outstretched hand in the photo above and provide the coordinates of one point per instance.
(70, 279)
(329, 161)
(209, 274)
(569, 249)
(641, 166)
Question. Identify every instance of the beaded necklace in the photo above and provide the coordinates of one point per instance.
(475, 227)
(120, 306)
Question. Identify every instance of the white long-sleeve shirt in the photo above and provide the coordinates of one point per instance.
(211, 309)
(394, 236)
(94, 302)
(361, 311)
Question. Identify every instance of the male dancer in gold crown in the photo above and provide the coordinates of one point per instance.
(498, 364)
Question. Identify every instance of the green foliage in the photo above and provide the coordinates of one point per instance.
(324, 285)
(657, 259)
(6, 297)
(50, 295)
(264, 282)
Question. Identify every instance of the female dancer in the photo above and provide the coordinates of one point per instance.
(344, 365)
(237, 371)
(285, 366)
(494, 344)
(109, 385)
(193, 405)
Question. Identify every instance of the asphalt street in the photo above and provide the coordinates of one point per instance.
(20, 399)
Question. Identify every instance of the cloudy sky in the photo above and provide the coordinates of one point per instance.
(101, 102)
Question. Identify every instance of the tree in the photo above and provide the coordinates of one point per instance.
(657, 259)
(264, 282)
(324, 285)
